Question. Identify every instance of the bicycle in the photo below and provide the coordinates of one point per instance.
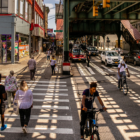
(123, 85)
(91, 128)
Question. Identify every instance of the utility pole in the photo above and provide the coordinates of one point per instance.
(66, 63)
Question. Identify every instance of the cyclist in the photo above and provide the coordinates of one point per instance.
(87, 103)
(122, 67)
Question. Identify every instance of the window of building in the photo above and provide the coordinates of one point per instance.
(3, 6)
(21, 7)
(16, 6)
(26, 10)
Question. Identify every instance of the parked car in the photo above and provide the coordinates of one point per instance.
(122, 52)
(110, 57)
(132, 58)
(93, 51)
(77, 55)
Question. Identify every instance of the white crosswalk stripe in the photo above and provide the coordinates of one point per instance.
(52, 100)
(42, 130)
(107, 68)
(50, 94)
(90, 70)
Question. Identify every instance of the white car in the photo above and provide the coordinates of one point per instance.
(110, 58)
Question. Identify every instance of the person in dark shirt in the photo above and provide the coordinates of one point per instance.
(89, 96)
(2, 105)
(88, 58)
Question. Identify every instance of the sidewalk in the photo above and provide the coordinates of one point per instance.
(5, 68)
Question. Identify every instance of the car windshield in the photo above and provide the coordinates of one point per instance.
(77, 51)
(92, 49)
(112, 54)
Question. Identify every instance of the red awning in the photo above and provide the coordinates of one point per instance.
(133, 31)
(59, 26)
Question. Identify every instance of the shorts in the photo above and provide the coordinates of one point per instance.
(2, 108)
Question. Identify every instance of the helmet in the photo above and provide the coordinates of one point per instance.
(122, 62)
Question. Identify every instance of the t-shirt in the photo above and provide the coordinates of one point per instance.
(53, 62)
(122, 68)
(2, 91)
(48, 53)
(89, 98)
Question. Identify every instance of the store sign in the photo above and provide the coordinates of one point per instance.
(23, 50)
(49, 30)
(38, 32)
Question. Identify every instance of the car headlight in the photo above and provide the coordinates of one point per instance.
(73, 55)
(109, 58)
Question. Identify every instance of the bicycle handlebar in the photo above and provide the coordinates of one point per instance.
(93, 110)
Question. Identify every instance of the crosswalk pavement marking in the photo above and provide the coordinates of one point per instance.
(107, 68)
(47, 82)
(39, 85)
(44, 116)
(43, 130)
(52, 100)
(90, 70)
(50, 107)
(50, 94)
(55, 89)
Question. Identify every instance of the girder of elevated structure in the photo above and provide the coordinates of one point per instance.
(119, 10)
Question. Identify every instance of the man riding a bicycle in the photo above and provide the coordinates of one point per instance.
(87, 103)
(122, 67)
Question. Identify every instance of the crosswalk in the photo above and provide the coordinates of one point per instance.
(47, 110)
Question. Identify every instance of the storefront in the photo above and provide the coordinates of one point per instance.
(23, 46)
(6, 48)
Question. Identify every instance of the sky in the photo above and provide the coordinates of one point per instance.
(51, 16)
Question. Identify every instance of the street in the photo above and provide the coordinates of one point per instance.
(57, 102)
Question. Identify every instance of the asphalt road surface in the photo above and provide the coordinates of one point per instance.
(56, 111)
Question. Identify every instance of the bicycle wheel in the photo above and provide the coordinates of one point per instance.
(95, 136)
(125, 89)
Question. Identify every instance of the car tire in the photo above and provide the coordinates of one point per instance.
(135, 63)
(106, 63)
(72, 61)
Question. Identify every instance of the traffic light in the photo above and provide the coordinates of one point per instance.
(106, 3)
(95, 11)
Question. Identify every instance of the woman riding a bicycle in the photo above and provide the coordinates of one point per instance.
(122, 67)
(87, 103)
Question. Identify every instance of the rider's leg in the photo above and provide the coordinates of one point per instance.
(82, 123)
(124, 75)
(119, 81)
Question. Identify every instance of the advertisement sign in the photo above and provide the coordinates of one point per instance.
(23, 50)
(49, 30)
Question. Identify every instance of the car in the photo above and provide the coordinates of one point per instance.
(132, 58)
(110, 58)
(122, 52)
(93, 50)
(77, 55)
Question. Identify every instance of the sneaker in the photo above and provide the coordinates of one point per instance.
(24, 129)
(4, 127)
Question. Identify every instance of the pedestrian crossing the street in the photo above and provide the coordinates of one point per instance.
(51, 107)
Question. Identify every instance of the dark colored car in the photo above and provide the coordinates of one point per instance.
(132, 58)
(93, 51)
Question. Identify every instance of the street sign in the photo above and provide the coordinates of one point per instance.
(58, 30)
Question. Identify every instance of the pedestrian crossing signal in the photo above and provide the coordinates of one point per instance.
(106, 3)
(95, 11)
